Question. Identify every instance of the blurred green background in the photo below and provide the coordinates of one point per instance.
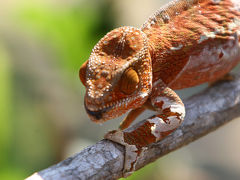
(42, 120)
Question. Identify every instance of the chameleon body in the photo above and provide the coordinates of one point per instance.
(185, 43)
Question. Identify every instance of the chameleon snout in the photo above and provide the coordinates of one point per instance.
(98, 115)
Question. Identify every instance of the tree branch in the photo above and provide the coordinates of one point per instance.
(206, 111)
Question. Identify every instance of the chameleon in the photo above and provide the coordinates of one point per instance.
(183, 44)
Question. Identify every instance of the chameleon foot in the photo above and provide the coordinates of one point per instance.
(132, 152)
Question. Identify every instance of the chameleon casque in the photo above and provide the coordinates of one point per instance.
(184, 44)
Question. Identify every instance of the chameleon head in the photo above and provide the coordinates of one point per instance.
(117, 75)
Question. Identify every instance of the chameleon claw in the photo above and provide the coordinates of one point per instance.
(131, 151)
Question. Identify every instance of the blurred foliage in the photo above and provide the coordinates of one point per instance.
(7, 169)
(71, 31)
(27, 141)
(5, 104)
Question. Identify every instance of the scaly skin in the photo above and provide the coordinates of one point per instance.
(186, 43)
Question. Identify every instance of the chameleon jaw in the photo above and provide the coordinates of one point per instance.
(96, 115)
(100, 114)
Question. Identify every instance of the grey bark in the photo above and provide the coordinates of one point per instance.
(206, 111)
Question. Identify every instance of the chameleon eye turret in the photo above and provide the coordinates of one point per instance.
(129, 81)
(118, 74)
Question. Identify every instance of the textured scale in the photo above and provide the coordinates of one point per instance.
(185, 43)
(196, 41)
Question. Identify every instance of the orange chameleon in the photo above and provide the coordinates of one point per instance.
(184, 44)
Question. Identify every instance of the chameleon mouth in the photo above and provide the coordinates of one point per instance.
(97, 114)
(101, 114)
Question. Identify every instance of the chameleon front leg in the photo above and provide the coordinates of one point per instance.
(132, 115)
(170, 114)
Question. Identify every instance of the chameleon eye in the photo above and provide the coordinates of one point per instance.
(82, 73)
(129, 81)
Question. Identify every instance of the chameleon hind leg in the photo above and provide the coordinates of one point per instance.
(170, 114)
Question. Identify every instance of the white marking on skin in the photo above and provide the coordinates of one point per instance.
(220, 30)
(237, 22)
(166, 17)
(157, 82)
(149, 26)
(166, 102)
(178, 108)
(143, 95)
(202, 38)
(174, 107)
(160, 126)
(176, 48)
(210, 55)
(216, 1)
(236, 5)
(206, 36)
(210, 34)
(238, 33)
(232, 25)
(152, 22)
(105, 42)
